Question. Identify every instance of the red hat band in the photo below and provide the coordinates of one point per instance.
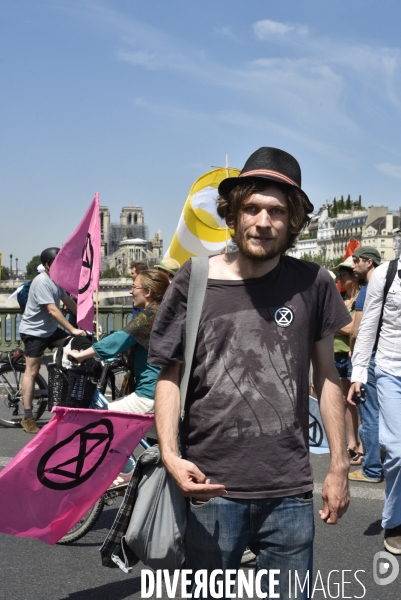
(269, 173)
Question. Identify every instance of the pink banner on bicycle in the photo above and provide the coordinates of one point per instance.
(60, 474)
(76, 267)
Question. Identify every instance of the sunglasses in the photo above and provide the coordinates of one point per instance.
(343, 274)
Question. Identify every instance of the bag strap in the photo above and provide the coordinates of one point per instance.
(391, 271)
(196, 295)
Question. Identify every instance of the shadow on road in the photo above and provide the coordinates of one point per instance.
(374, 528)
(118, 590)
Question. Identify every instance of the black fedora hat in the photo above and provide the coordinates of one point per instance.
(269, 164)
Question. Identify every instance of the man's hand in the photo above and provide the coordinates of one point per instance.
(335, 495)
(354, 389)
(78, 332)
(191, 481)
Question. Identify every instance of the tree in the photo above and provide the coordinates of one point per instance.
(320, 260)
(336, 261)
(357, 204)
(31, 267)
(110, 273)
(348, 203)
(334, 209)
(341, 204)
(5, 273)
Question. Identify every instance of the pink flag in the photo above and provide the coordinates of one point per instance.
(59, 475)
(76, 267)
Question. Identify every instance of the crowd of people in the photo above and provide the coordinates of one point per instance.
(241, 453)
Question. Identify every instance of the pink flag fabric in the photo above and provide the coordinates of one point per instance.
(76, 267)
(59, 475)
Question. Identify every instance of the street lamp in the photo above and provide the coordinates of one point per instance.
(11, 266)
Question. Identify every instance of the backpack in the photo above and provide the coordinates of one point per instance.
(391, 272)
(22, 296)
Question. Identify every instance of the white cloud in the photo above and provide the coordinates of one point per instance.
(392, 170)
(310, 86)
(243, 120)
(266, 28)
(261, 123)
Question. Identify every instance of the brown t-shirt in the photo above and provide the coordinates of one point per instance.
(246, 423)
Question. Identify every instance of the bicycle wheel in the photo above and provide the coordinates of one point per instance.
(85, 524)
(11, 406)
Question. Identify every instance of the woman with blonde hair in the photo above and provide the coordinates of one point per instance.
(148, 291)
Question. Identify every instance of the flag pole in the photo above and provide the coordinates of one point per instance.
(97, 314)
(228, 175)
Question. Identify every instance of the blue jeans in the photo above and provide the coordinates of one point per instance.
(279, 531)
(389, 395)
(343, 364)
(369, 429)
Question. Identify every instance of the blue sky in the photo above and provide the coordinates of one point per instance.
(137, 99)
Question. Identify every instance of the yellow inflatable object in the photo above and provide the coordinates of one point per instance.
(200, 231)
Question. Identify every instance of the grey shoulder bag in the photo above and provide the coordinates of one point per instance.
(156, 531)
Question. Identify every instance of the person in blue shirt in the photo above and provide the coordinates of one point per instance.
(148, 291)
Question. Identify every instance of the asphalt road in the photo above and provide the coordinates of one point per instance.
(31, 570)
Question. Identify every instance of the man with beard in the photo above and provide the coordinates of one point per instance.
(244, 440)
(366, 259)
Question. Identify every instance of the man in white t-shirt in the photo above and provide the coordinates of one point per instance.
(39, 329)
(388, 382)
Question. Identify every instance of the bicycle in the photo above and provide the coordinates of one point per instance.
(11, 374)
(11, 405)
(106, 384)
(87, 522)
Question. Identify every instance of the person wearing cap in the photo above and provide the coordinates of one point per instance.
(342, 358)
(169, 266)
(39, 329)
(365, 260)
(244, 440)
(388, 382)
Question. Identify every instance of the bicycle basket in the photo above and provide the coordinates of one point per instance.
(72, 387)
(58, 386)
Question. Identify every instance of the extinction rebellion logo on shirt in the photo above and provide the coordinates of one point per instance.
(283, 317)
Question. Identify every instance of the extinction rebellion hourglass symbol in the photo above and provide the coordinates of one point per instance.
(81, 463)
(87, 263)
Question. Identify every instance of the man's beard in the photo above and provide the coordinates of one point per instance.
(257, 253)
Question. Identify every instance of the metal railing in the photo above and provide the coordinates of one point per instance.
(111, 318)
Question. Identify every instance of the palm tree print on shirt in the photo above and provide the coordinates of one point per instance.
(249, 362)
